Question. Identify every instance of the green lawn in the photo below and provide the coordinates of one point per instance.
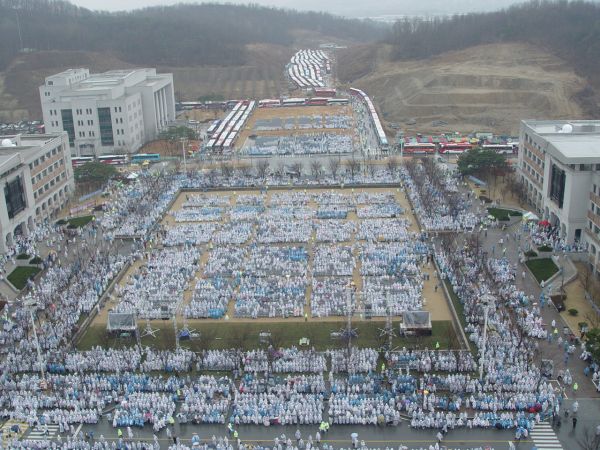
(78, 222)
(222, 335)
(503, 214)
(460, 311)
(23, 256)
(545, 248)
(542, 268)
(20, 275)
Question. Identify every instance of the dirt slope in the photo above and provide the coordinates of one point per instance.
(488, 87)
(27, 73)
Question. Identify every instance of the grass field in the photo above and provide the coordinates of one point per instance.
(79, 222)
(542, 268)
(223, 335)
(20, 275)
(503, 214)
(460, 312)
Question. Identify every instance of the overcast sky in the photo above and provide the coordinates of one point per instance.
(350, 8)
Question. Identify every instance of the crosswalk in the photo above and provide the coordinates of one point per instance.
(41, 433)
(544, 437)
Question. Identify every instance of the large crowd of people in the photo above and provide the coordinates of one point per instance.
(147, 387)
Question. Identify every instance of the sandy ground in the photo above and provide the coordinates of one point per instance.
(434, 300)
(293, 112)
(488, 87)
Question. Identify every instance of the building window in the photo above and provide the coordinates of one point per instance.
(68, 126)
(557, 185)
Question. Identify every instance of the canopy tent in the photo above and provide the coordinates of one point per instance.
(530, 216)
(121, 322)
(416, 321)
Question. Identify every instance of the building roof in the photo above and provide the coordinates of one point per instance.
(8, 160)
(570, 141)
(26, 145)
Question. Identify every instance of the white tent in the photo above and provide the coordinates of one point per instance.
(530, 216)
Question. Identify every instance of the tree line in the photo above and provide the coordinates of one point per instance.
(179, 35)
(568, 29)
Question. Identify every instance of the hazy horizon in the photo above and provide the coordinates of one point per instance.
(348, 8)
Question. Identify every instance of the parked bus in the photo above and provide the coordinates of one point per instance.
(77, 161)
(141, 157)
(455, 147)
(419, 148)
(113, 160)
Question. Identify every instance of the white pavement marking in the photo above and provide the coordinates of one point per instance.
(38, 433)
(544, 437)
(78, 430)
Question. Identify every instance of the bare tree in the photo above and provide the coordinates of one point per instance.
(370, 166)
(226, 170)
(392, 164)
(334, 166)
(280, 170)
(316, 168)
(353, 166)
(212, 175)
(297, 169)
(245, 170)
(589, 440)
(262, 167)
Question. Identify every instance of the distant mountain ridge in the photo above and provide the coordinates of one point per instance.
(569, 30)
(179, 35)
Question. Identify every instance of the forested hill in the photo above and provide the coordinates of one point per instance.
(570, 30)
(184, 34)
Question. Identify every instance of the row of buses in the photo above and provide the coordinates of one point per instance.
(313, 101)
(223, 134)
(381, 137)
(456, 148)
(115, 160)
(306, 68)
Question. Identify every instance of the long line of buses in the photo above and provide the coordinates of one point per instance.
(381, 137)
(224, 134)
(456, 148)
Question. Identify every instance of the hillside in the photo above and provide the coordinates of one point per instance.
(213, 50)
(262, 77)
(180, 35)
(480, 88)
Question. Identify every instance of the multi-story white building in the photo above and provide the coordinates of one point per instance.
(114, 112)
(559, 163)
(37, 180)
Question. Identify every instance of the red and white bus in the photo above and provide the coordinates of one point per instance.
(455, 147)
(113, 160)
(77, 161)
(419, 148)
